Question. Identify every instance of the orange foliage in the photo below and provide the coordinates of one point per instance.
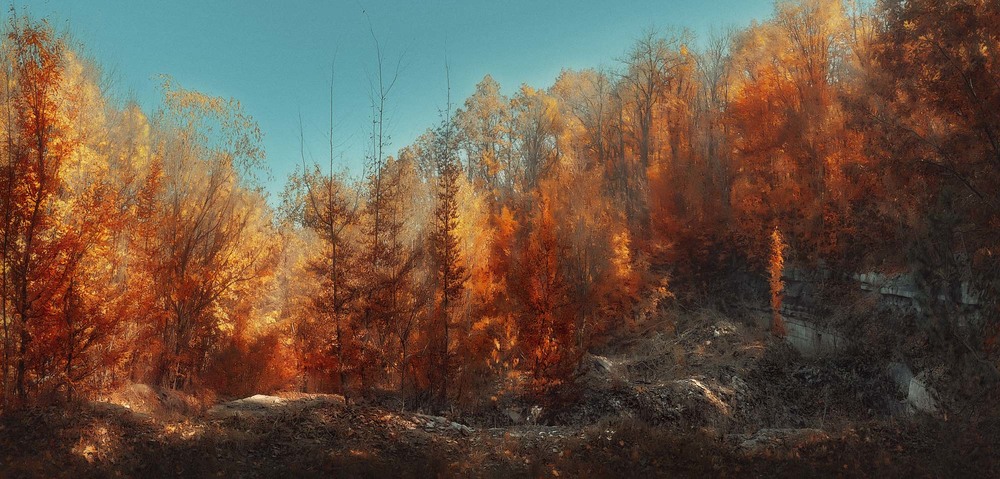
(775, 270)
(504, 244)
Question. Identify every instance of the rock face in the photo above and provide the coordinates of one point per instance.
(812, 340)
(902, 285)
(919, 396)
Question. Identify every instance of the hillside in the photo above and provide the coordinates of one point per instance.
(700, 395)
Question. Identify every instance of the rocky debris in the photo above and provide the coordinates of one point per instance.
(257, 404)
(683, 403)
(695, 388)
(260, 405)
(788, 391)
(599, 372)
(312, 400)
(723, 328)
(778, 442)
(688, 375)
(439, 424)
(813, 376)
(687, 403)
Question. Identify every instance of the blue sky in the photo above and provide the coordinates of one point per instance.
(275, 56)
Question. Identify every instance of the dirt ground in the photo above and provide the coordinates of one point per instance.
(701, 395)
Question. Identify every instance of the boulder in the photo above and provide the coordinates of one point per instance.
(598, 372)
(256, 405)
(921, 395)
(901, 376)
(779, 442)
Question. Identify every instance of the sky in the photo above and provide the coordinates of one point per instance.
(275, 57)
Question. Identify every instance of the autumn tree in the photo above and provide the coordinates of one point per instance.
(387, 260)
(484, 125)
(546, 331)
(105, 177)
(536, 123)
(329, 208)
(449, 271)
(933, 123)
(407, 226)
(651, 71)
(330, 211)
(598, 260)
(36, 151)
(214, 235)
(792, 134)
(714, 72)
(587, 98)
(70, 193)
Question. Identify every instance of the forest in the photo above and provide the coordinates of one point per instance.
(518, 238)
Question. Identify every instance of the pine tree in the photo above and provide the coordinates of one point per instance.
(451, 274)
